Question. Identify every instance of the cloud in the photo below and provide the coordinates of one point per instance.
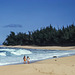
(13, 26)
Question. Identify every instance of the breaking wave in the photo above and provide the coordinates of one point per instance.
(21, 52)
(5, 52)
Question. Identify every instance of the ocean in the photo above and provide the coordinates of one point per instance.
(9, 56)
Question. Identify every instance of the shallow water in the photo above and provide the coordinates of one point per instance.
(15, 55)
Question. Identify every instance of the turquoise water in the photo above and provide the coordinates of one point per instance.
(10, 56)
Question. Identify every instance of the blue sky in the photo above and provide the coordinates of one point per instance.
(29, 15)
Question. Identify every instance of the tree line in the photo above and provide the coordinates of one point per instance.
(48, 36)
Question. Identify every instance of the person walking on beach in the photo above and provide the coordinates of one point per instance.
(28, 59)
(24, 58)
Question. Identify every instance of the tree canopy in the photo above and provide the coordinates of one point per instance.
(45, 36)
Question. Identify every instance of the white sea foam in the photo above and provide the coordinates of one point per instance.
(21, 52)
(15, 52)
(8, 63)
(1, 64)
(9, 50)
(3, 54)
(15, 56)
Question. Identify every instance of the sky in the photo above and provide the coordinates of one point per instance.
(30, 15)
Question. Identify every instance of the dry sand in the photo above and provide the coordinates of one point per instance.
(44, 47)
(58, 66)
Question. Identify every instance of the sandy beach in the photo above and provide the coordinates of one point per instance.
(43, 47)
(57, 66)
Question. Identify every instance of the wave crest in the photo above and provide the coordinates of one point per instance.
(21, 52)
(3, 54)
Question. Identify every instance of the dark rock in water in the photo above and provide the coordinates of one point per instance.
(54, 56)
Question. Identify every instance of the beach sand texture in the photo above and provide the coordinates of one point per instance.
(44, 47)
(57, 66)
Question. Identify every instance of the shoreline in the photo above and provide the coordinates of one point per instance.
(56, 66)
(43, 47)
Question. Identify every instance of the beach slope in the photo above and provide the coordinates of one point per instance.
(56, 66)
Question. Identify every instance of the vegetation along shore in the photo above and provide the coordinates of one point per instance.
(47, 36)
